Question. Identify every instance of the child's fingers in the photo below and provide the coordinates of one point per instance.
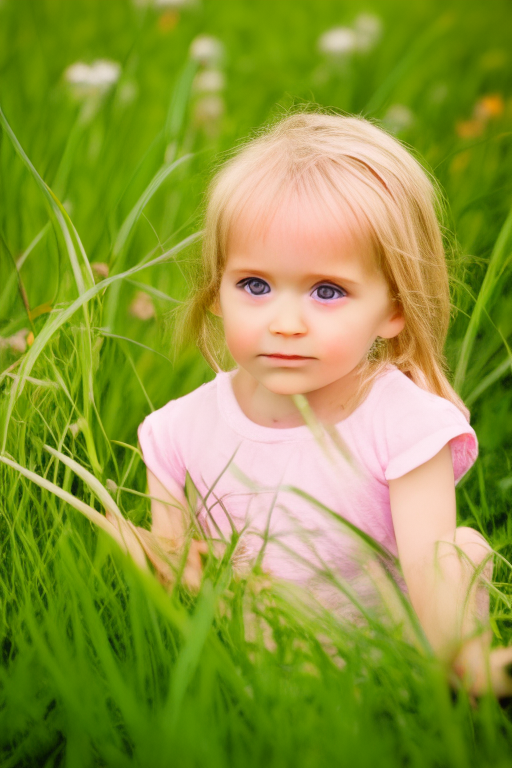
(166, 557)
(166, 554)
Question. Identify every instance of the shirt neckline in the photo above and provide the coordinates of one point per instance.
(228, 404)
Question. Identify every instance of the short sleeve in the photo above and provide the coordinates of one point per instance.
(417, 425)
(158, 438)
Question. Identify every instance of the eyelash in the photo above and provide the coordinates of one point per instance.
(246, 281)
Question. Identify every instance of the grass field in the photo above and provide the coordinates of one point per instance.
(101, 199)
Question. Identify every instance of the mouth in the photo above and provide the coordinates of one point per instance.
(289, 357)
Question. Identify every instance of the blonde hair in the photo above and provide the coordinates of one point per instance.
(383, 188)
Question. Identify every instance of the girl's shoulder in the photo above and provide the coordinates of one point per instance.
(393, 389)
(181, 416)
(166, 434)
(188, 404)
(408, 425)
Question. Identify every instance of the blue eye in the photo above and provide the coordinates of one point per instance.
(254, 285)
(327, 292)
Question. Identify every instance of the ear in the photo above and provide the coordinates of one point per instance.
(393, 324)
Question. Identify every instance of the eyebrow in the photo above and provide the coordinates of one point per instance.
(307, 278)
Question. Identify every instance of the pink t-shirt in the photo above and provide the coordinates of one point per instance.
(246, 473)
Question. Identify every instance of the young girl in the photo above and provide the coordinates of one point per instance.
(324, 261)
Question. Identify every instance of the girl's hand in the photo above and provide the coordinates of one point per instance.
(168, 560)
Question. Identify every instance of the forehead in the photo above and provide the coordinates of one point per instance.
(301, 229)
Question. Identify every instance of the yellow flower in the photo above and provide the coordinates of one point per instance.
(489, 106)
(469, 129)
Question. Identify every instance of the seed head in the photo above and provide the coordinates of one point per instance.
(207, 50)
(337, 42)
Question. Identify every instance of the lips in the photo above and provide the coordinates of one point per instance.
(289, 357)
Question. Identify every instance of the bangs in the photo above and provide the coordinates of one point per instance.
(342, 197)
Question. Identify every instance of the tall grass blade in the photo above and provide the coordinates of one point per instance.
(94, 484)
(154, 292)
(127, 531)
(320, 431)
(4, 296)
(90, 513)
(126, 231)
(497, 262)
(365, 537)
(82, 273)
(154, 185)
(178, 108)
(109, 335)
(189, 657)
(54, 323)
(501, 370)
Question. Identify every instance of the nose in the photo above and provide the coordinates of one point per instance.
(288, 319)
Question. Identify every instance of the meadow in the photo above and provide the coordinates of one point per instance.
(114, 114)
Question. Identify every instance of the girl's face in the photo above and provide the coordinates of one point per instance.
(302, 302)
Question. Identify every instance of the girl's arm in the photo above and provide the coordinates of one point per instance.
(169, 516)
(170, 529)
(171, 525)
(424, 513)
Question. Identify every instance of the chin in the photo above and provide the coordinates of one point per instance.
(288, 385)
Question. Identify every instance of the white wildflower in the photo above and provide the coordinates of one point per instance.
(398, 118)
(78, 74)
(209, 81)
(207, 50)
(368, 31)
(93, 78)
(337, 42)
(172, 4)
(106, 73)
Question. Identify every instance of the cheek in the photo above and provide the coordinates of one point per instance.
(347, 339)
(242, 336)
(338, 350)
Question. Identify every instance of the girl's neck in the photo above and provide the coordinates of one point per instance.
(331, 404)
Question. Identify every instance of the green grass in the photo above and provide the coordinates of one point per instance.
(100, 665)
